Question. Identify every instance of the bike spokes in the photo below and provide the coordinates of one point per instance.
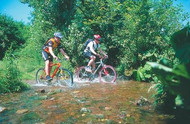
(83, 75)
(65, 78)
(108, 74)
(41, 77)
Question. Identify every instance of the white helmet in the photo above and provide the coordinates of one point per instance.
(58, 34)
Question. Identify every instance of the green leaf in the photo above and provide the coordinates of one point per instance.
(181, 70)
(159, 66)
(178, 100)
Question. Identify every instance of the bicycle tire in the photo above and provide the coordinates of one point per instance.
(65, 77)
(82, 74)
(107, 74)
(41, 76)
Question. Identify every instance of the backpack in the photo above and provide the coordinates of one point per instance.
(45, 48)
(86, 43)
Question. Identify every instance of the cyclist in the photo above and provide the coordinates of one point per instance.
(90, 52)
(48, 54)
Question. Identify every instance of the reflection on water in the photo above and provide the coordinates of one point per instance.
(86, 103)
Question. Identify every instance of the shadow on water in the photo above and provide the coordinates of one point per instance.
(126, 102)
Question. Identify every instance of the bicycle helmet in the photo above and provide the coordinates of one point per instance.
(58, 34)
(97, 37)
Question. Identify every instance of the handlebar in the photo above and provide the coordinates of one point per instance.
(103, 57)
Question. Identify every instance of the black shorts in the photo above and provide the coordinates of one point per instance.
(47, 56)
(87, 54)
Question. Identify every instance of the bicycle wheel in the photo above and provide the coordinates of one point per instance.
(107, 74)
(65, 77)
(41, 76)
(82, 74)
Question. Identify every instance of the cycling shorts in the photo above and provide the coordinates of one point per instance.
(88, 54)
(47, 56)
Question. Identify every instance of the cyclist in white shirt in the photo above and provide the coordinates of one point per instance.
(90, 52)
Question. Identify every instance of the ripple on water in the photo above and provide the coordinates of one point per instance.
(115, 103)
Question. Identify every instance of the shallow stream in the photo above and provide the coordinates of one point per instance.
(127, 102)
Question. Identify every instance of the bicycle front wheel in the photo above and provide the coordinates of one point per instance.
(65, 77)
(41, 76)
(107, 74)
(82, 74)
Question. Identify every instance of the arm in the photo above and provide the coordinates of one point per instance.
(52, 53)
(63, 53)
(103, 52)
(91, 48)
(50, 46)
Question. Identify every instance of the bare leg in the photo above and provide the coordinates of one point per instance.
(50, 67)
(93, 66)
(47, 63)
(92, 60)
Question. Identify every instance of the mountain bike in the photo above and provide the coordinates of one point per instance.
(106, 73)
(63, 76)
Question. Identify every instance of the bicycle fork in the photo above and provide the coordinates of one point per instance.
(105, 71)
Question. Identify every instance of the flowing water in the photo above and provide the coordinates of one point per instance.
(90, 103)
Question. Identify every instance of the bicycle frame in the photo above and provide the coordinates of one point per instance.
(55, 71)
(63, 76)
(106, 73)
(101, 64)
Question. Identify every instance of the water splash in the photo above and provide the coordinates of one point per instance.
(40, 84)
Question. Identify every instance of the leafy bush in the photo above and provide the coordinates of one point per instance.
(181, 43)
(172, 82)
(173, 85)
(143, 73)
(11, 32)
(11, 80)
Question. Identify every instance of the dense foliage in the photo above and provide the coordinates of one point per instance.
(133, 32)
(129, 28)
(173, 85)
(12, 38)
(11, 78)
(11, 33)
